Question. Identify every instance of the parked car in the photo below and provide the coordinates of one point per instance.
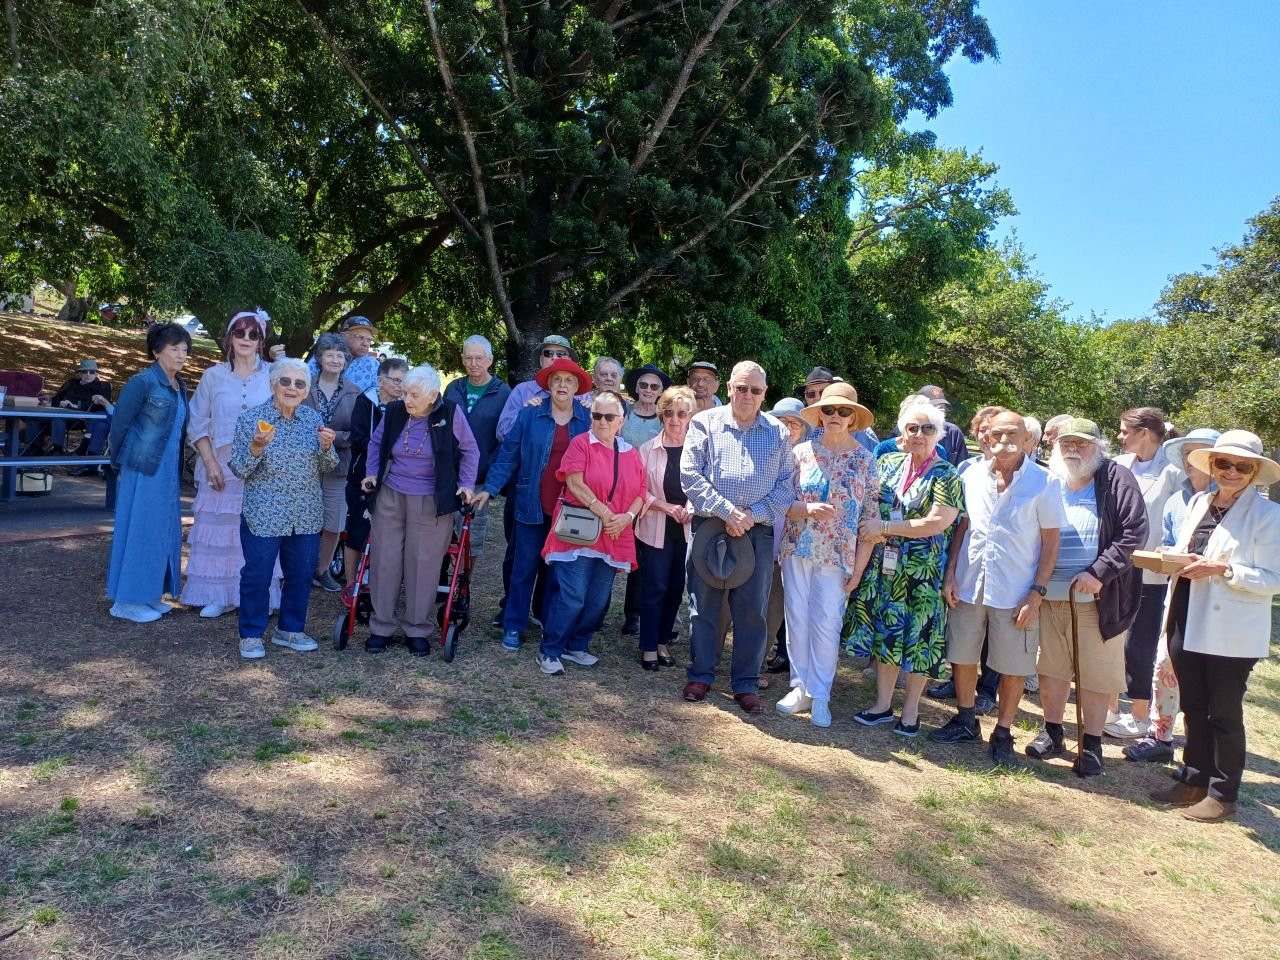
(192, 323)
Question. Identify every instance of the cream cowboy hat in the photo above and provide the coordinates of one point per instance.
(1243, 444)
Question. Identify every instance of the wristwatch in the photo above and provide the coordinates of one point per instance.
(1039, 589)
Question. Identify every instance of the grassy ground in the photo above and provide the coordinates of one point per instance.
(160, 798)
(53, 350)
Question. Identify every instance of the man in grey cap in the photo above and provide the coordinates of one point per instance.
(819, 379)
(704, 381)
(359, 332)
(952, 440)
(88, 392)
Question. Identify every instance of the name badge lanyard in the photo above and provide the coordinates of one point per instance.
(892, 549)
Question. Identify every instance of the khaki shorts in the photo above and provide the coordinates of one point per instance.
(1101, 660)
(335, 503)
(1010, 650)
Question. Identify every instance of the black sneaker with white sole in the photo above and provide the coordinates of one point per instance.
(906, 729)
(869, 718)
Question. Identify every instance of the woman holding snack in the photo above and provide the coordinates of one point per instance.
(281, 450)
(1218, 618)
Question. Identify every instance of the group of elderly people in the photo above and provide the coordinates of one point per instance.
(796, 524)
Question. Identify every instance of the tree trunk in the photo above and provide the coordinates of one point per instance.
(74, 309)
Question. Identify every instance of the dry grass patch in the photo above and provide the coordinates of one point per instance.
(161, 798)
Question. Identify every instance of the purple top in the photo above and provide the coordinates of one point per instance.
(413, 466)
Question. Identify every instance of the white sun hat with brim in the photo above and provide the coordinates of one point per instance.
(1239, 444)
(1175, 449)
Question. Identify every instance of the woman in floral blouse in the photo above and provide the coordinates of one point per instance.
(281, 450)
(822, 555)
(898, 617)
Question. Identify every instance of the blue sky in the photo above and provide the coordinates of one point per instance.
(1135, 137)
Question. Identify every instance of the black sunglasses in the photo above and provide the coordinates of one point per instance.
(754, 391)
(606, 417)
(836, 411)
(247, 333)
(1221, 465)
(928, 429)
(649, 386)
(555, 354)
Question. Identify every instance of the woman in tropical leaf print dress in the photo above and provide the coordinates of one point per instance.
(898, 616)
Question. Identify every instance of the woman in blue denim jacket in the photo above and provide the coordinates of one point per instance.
(532, 451)
(147, 434)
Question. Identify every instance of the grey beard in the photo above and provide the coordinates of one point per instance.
(1074, 470)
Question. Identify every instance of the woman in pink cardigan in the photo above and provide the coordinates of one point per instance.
(663, 530)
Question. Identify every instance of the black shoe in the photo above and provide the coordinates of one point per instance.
(376, 644)
(1002, 754)
(666, 661)
(983, 705)
(650, 665)
(1044, 746)
(943, 691)
(869, 718)
(1088, 763)
(419, 646)
(497, 620)
(778, 664)
(957, 730)
(1150, 749)
(906, 729)
(631, 628)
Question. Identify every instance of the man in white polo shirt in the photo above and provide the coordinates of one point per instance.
(997, 572)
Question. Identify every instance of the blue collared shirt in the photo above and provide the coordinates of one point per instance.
(725, 466)
(362, 371)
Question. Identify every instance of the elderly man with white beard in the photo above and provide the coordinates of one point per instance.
(1106, 522)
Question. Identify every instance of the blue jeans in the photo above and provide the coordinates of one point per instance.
(298, 555)
(748, 605)
(526, 568)
(582, 590)
(661, 576)
(98, 430)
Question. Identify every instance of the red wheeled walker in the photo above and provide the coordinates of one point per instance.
(453, 599)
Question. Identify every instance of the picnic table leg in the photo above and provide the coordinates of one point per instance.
(9, 475)
(111, 487)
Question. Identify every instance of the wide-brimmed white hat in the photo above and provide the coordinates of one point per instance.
(1242, 444)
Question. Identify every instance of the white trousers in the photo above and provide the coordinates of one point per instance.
(814, 597)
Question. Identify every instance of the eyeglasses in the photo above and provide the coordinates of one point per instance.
(675, 414)
(754, 391)
(555, 354)
(836, 411)
(697, 381)
(606, 417)
(928, 429)
(295, 382)
(649, 386)
(247, 333)
(396, 380)
(1222, 465)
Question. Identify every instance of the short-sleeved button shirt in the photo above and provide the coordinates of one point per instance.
(1001, 548)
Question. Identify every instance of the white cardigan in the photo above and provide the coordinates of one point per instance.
(1232, 617)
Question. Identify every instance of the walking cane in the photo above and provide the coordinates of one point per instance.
(1078, 764)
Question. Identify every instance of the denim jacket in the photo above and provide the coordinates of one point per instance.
(525, 452)
(142, 420)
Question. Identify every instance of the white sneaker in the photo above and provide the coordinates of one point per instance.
(251, 648)
(1031, 684)
(797, 701)
(580, 657)
(820, 714)
(137, 612)
(551, 666)
(294, 641)
(211, 610)
(1125, 727)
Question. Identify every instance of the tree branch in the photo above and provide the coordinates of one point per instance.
(895, 214)
(621, 293)
(350, 265)
(419, 160)
(379, 302)
(11, 15)
(477, 175)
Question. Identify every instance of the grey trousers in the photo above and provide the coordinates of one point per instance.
(409, 544)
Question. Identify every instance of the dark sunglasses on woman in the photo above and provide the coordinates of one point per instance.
(606, 417)
(247, 333)
(928, 429)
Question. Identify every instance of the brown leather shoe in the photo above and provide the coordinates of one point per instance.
(749, 702)
(1210, 810)
(696, 691)
(1179, 795)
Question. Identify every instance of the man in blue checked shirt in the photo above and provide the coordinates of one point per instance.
(736, 466)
